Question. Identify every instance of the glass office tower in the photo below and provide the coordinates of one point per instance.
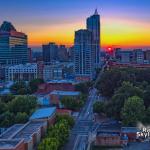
(83, 54)
(13, 45)
(93, 25)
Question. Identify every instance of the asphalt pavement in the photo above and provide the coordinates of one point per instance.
(84, 125)
(79, 135)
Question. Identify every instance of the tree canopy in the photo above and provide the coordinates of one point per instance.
(118, 85)
(57, 134)
(133, 111)
(16, 110)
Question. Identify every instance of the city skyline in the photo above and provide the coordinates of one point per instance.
(123, 24)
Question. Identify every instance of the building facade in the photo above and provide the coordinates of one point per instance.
(63, 54)
(138, 56)
(93, 25)
(21, 72)
(83, 59)
(13, 45)
(52, 73)
(50, 52)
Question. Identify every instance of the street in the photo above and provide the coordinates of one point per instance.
(84, 123)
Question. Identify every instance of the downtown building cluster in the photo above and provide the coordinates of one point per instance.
(87, 49)
(137, 58)
(57, 61)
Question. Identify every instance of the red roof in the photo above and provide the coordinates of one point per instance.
(49, 87)
(63, 111)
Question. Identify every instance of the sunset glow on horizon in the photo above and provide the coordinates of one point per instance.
(123, 24)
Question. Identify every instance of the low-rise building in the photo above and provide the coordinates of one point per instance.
(108, 135)
(52, 73)
(28, 136)
(23, 137)
(17, 144)
(56, 96)
(131, 133)
(63, 85)
(63, 112)
(45, 114)
(21, 72)
(43, 99)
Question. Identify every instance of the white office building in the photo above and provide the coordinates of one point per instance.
(21, 72)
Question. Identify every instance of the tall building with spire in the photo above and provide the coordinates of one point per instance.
(93, 25)
(13, 45)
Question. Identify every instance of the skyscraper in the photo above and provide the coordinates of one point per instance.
(13, 45)
(93, 25)
(83, 54)
(50, 52)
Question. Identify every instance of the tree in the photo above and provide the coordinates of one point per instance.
(112, 79)
(20, 88)
(68, 119)
(3, 107)
(7, 98)
(49, 144)
(6, 119)
(147, 96)
(133, 111)
(72, 103)
(147, 118)
(83, 87)
(21, 117)
(99, 107)
(116, 104)
(34, 84)
(57, 134)
(22, 104)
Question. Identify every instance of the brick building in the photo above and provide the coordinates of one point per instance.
(55, 85)
(28, 136)
(56, 96)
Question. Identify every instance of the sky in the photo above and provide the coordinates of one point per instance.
(124, 23)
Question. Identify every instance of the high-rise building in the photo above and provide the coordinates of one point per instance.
(138, 56)
(62, 54)
(13, 45)
(50, 52)
(71, 53)
(126, 57)
(147, 55)
(83, 55)
(93, 25)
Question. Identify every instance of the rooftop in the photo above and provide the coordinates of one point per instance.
(108, 134)
(109, 127)
(130, 129)
(7, 27)
(11, 131)
(64, 93)
(62, 81)
(27, 131)
(7, 144)
(43, 113)
(23, 66)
